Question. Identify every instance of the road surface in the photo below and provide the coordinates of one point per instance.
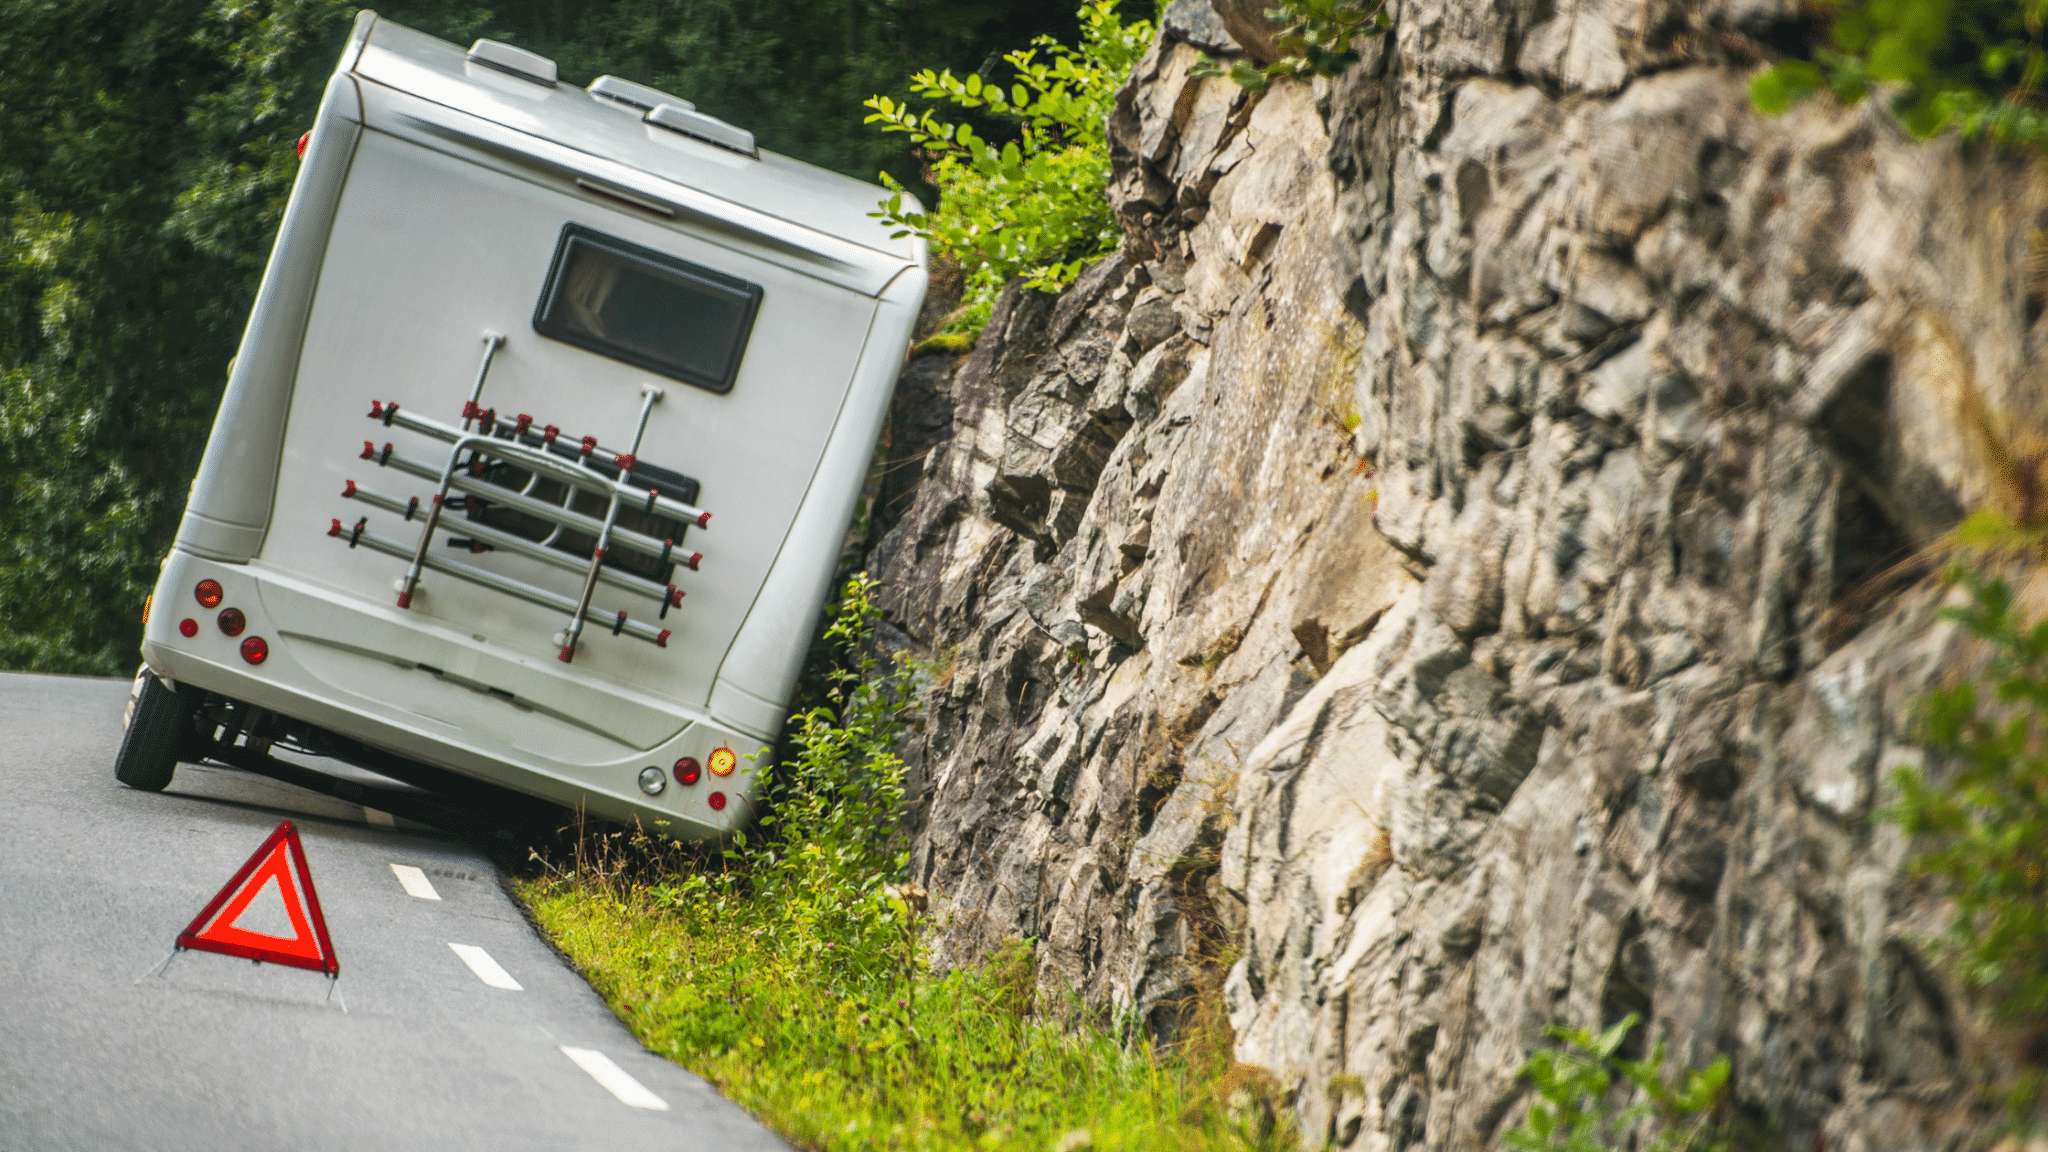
(435, 1050)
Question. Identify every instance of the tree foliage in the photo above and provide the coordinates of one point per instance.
(1973, 65)
(1033, 206)
(146, 151)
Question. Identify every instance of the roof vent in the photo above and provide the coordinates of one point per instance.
(709, 129)
(636, 96)
(518, 61)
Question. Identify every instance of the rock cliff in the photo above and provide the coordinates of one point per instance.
(1432, 572)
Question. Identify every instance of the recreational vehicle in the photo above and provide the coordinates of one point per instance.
(539, 450)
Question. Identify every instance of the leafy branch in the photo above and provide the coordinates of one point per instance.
(1987, 824)
(1033, 206)
(1973, 65)
(1573, 1084)
(1315, 39)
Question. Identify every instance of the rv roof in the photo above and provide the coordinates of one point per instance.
(800, 193)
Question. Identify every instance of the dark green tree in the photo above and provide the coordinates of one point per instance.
(146, 150)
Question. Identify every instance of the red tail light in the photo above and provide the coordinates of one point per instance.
(688, 771)
(232, 621)
(208, 593)
(254, 650)
(188, 627)
(717, 801)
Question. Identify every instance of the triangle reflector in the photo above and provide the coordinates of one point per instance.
(273, 864)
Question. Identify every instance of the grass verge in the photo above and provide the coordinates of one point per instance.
(792, 971)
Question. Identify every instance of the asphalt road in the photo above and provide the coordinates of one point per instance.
(96, 880)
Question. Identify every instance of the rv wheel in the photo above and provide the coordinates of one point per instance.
(149, 749)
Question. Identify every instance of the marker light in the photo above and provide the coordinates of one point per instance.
(688, 771)
(717, 801)
(208, 593)
(723, 761)
(652, 781)
(254, 650)
(188, 627)
(146, 602)
(232, 621)
(303, 141)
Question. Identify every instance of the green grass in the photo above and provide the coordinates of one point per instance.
(834, 1056)
(793, 971)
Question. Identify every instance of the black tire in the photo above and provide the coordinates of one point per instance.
(149, 750)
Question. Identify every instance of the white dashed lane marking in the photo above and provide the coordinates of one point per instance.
(614, 1078)
(487, 969)
(415, 882)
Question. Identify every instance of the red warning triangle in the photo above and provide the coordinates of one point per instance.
(307, 947)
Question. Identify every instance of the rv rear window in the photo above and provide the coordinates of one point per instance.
(646, 308)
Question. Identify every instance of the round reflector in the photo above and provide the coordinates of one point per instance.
(717, 801)
(208, 593)
(254, 650)
(188, 627)
(723, 761)
(232, 621)
(688, 771)
(652, 781)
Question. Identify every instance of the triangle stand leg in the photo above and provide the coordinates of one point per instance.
(160, 965)
(334, 993)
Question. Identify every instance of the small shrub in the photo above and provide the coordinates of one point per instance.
(1576, 1086)
(1035, 206)
(1315, 39)
(1973, 65)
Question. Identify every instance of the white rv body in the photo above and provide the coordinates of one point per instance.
(438, 193)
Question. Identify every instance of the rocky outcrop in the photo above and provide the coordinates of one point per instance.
(1429, 572)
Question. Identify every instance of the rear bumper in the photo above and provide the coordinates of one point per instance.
(405, 684)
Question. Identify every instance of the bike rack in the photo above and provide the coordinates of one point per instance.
(542, 453)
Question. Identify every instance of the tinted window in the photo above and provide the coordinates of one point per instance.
(634, 304)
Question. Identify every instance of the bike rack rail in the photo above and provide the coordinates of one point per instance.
(542, 453)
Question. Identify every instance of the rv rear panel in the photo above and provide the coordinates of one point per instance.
(524, 357)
